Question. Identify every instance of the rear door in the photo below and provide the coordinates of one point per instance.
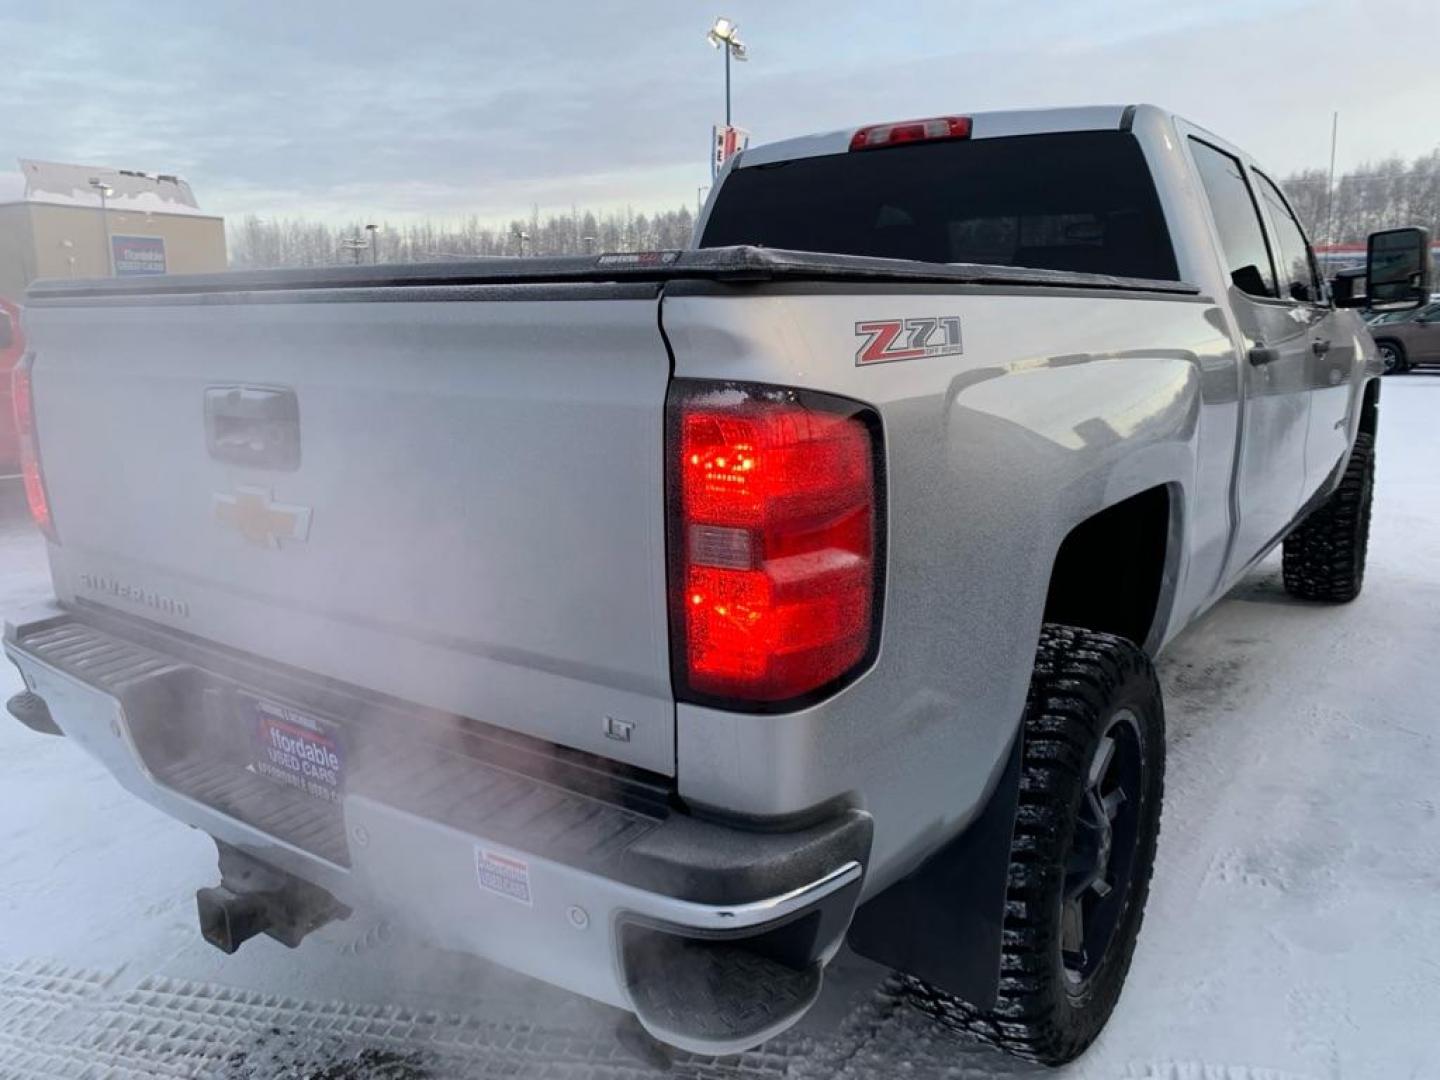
(454, 500)
(1334, 357)
(1274, 340)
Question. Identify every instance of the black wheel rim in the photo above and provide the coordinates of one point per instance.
(1390, 357)
(1101, 862)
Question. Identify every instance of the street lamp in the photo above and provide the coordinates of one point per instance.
(374, 231)
(725, 35)
(354, 245)
(104, 190)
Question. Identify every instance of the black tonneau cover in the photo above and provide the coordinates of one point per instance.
(727, 264)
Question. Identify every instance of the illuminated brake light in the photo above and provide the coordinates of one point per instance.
(774, 540)
(911, 131)
(31, 476)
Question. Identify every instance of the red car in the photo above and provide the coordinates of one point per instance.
(12, 344)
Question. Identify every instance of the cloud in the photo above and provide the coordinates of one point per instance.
(373, 109)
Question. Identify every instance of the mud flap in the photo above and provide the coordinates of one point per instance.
(942, 923)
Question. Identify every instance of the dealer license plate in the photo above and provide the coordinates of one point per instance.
(295, 749)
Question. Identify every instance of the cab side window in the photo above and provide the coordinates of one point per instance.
(1298, 280)
(1237, 218)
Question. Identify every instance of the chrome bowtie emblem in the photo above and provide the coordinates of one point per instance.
(254, 513)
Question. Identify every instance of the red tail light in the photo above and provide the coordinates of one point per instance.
(911, 131)
(30, 474)
(775, 542)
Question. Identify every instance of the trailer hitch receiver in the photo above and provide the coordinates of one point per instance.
(253, 898)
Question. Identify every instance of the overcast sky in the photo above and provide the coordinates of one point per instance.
(381, 109)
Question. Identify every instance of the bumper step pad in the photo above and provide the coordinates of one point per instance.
(290, 815)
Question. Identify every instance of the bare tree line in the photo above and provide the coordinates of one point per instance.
(1374, 196)
(263, 242)
(1377, 195)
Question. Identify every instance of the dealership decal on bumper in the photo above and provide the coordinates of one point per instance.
(503, 874)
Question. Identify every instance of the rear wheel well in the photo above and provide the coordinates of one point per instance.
(1370, 408)
(1109, 570)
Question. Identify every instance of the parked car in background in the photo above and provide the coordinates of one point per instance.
(11, 346)
(1408, 339)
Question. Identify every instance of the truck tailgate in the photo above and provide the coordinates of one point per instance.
(472, 519)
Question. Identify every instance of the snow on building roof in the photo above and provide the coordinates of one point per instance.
(55, 184)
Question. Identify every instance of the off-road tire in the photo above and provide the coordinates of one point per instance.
(1082, 680)
(1325, 555)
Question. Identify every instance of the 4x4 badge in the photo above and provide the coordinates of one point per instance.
(255, 514)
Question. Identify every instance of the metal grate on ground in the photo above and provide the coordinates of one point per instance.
(59, 1023)
(73, 1025)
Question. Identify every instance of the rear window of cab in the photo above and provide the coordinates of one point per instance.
(1077, 201)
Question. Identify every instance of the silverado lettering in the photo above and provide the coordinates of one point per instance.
(135, 594)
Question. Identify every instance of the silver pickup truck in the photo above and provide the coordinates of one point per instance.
(654, 624)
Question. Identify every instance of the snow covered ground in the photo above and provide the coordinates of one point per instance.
(1293, 931)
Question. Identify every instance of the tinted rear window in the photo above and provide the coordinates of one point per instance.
(1079, 201)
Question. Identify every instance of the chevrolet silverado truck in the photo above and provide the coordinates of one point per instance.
(654, 624)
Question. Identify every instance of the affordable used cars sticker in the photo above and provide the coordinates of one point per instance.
(297, 750)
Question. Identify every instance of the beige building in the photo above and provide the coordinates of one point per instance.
(52, 226)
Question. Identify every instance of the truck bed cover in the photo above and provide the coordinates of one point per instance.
(723, 265)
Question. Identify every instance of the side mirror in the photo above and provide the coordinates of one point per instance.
(1347, 288)
(1397, 269)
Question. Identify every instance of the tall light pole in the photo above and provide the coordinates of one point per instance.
(1330, 183)
(354, 245)
(725, 36)
(374, 231)
(104, 190)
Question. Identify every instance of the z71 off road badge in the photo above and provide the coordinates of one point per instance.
(887, 340)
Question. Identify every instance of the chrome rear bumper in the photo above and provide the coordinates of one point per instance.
(714, 936)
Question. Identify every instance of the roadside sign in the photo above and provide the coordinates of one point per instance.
(725, 142)
(137, 255)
